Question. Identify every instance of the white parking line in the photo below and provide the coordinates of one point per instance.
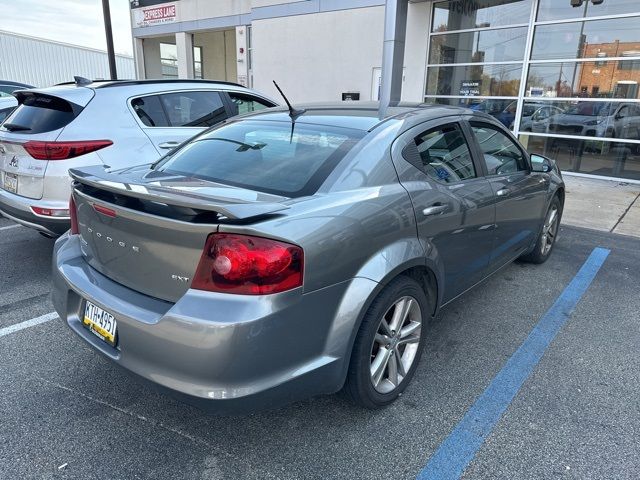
(9, 227)
(47, 317)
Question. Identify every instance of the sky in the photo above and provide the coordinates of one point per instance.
(78, 22)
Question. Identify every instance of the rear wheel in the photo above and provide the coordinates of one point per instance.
(389, 344)
(548, 234)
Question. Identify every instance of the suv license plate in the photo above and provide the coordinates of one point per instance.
(100, 323)
(10, 183)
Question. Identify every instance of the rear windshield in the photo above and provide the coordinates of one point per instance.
(264, 156)
(40, 113)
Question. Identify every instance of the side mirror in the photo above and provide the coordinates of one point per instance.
(541, 164)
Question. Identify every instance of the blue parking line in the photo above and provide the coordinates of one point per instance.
(458, 449)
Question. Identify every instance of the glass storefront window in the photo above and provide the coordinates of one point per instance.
(474, 80)
(602, 79)
(562, 10)
(591, 39)
(596, 157)
(586, 119)
(502, 109)
(465, 14)
(502, 45)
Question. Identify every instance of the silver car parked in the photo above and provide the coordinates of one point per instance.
(286, 254)
(113, 124)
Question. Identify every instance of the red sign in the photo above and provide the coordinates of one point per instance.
(160, 14)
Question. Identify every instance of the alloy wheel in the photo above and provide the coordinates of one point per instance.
(549, 230)
(395, 344)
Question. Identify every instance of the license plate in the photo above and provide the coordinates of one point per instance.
(100, 323)
(10, 183)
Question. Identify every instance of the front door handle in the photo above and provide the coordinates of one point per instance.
(168, 145)
(503, 192)
(434, 210)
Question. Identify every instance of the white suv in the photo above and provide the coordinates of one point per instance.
(110, 123)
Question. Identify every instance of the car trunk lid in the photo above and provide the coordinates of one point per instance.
(147, 230)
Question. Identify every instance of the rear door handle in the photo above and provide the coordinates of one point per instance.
(503, 192)
(434, 210)
(168, 145)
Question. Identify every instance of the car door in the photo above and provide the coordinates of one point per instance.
(454, 204)
(520, 193)
(170, 118)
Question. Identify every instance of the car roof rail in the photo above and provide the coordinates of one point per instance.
(119, 83)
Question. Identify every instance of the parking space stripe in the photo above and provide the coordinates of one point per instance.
(9, 227)
(460, 447)
(28, 323)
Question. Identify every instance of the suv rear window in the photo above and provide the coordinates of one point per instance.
(264, 156)
(39, 113)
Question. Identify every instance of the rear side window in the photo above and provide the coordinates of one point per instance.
(246, 103)
(193, 109)
(264, 156)
(150, 111)
(443, 154)
(39, 113)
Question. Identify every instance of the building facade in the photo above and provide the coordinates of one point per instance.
(40, 62)
(562, 74)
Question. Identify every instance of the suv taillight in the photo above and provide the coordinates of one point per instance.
(63, 150)
(74, 216)
(248, 265)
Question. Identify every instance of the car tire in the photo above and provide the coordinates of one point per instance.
(376, 341)
(548, 234)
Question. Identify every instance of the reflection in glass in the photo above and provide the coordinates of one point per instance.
(601, 79)
(596, 157)
(587, 119)
(562, 10)
(474, 80)
(505, 44)
(465, 14)
(594, 39)
(492, 106)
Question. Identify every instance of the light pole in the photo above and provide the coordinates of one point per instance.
(113, 74)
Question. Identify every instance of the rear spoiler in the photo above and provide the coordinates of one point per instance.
(96, 177)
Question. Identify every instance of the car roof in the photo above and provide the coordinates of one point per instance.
(359, 115)
(15, 84)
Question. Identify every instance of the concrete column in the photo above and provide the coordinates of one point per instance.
(184, 45)
(241, 56)
(138, 58)
(395, 29)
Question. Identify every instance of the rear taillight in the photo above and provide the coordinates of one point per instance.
(74, 216)
(248, 265)
(63, 150)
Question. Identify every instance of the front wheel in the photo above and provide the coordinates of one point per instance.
(388, 345)
(548, 234)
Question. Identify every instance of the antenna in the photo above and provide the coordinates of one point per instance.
(81, 81)
(293, 113)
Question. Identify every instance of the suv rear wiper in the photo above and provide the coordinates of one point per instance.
(14, 127)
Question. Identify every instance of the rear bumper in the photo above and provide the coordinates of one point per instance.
(18, 209)
(224, 353)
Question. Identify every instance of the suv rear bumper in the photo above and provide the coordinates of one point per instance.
(18, 209)
(221, 352)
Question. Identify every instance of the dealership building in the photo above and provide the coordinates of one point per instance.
(562, 74)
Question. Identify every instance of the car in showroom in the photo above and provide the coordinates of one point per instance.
(112, 124)
(7, 101)
(291, 253)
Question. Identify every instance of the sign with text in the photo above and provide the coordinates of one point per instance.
(470, 88)
(155, 15)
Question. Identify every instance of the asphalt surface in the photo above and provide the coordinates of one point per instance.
(68, 413)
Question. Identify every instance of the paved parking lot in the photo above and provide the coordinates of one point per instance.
(576, 416)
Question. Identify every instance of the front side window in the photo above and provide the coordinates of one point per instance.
(264, 156)
(443, 154)
(193, 109)
(247, 103)
(501, 154)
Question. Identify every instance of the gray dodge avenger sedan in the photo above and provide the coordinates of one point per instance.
(290, 253)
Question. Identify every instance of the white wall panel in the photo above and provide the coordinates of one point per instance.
(42, 63)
